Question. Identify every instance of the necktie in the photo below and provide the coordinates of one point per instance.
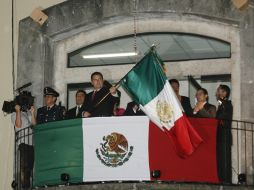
(93, 96)
(77, 110)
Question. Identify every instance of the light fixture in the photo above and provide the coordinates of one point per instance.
(65, 177)
(241, 4)
(38, 16)
(156, 174)
(108, 55)
(242, 178)
(14, 184)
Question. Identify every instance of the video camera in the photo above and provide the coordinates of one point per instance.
(24, 99)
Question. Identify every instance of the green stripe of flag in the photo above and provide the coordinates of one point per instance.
(146, 79)
(59, 150)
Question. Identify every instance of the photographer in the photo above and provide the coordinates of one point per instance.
(22, 119)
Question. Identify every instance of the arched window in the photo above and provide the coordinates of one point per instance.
(170, 46)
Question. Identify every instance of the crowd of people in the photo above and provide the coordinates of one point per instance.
(202, 107)
(104, 100)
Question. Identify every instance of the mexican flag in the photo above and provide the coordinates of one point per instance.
(147, 84)
(124, 148)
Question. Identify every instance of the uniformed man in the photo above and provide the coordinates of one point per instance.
(50, 112)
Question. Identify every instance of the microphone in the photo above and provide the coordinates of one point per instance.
(24, 86)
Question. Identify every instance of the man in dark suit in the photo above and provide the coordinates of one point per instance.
(224, 135)
(133, 109)
(102, 99)
(203, 108)
(50, 112)
(81, 106)
(185, 101)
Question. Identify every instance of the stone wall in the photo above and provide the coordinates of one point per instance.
(38, 45)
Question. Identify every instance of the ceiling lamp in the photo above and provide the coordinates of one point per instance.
(109, 55)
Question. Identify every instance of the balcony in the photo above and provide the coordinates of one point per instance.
(53, 170)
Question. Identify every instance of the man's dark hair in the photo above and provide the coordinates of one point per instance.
(96, 73)
(203, 90)
(174, 81)
(226, 89)
(80, 91)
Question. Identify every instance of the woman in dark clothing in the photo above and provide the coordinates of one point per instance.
(224, 135)
(133, 109)
(185, 101)
(225, 108)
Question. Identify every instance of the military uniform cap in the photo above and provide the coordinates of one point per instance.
(50, 91)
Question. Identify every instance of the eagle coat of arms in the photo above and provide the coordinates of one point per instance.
(114, 150)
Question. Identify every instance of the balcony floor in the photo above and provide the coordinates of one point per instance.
(150, 186)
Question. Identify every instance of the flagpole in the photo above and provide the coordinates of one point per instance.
(117, 85)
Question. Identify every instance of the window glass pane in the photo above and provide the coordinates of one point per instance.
(170, 46)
